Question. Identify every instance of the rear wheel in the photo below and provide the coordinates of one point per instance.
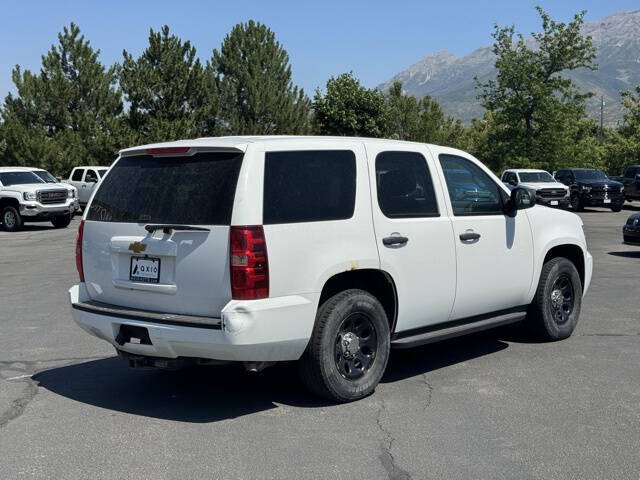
(555, 309)
(576, 202)
(11, 219)
(349, 347)
(62, 221)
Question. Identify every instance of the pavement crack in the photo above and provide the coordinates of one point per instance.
(386, 456)
(19, 405)
(610, 334)
(429, 388)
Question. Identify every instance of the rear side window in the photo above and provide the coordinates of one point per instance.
(309, 186)
(189, 190)
(77, 175)
(405, 188)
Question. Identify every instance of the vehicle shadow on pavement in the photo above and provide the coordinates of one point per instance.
(211, 394)
(626, 254)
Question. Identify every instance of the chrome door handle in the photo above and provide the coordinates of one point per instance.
(394, 240)
(468, 236)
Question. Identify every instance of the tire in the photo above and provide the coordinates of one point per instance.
(62, 221)
(11, 219)
(616, 208)
(553, 316)
(336, 370)
(576, 203)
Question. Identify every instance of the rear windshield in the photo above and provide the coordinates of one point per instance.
(190, 190)
(19, 178)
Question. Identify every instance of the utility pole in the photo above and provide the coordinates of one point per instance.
(601, 118)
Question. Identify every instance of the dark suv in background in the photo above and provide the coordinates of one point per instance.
(590, 187)
(631, 182)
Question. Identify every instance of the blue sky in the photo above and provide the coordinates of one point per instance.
(374, 39)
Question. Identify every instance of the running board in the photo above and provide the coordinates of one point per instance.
(443, 333)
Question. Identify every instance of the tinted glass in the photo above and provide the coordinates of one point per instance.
(471, 190)
(536, 177)
(192, 190)
(405, 188)
(77, 175)
(19, 178)
(102, 172)
(91, 176)
(309, 186)
(591, 174)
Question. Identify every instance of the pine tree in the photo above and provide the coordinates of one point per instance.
(169, 94)
(66, 115)
(253, 78)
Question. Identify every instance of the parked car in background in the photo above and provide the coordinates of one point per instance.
(26, 197)
(590, 187)
(46, 177)
(631, 230)
(631, 182)
(85, 179)
(546, 189)
(325, 250)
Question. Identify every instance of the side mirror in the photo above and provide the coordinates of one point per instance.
(92, 180)
(521, 198)
(513, 182)
(637, 177)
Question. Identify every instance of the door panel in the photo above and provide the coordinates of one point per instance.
(414, 235)
(494, 251)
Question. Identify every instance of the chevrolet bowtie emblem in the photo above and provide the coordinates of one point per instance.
(137, 247)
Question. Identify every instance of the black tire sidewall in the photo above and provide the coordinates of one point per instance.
(18, 224)
(576, 202)
(553, 330)
(355, 301)
(62, 221)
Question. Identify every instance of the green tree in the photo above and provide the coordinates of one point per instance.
(66, 115)
(169, 94)
(403, 114)
(253, 76)
(349, 109)
(534, 104)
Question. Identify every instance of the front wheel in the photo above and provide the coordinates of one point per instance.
(576, 203)
(616, 208)
(555, 309)
(349, 347)
(62, 221)
(11, 219)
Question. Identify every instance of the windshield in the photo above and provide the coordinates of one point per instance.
(19, 178)
(536, 177)
(46, 176)
(590, 175)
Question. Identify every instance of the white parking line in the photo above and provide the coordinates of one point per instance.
(18, 377)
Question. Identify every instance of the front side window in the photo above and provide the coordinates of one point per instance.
(471, 190)
(19, 178)
(91, 176)
(192, 190)
(309, 186)
(404, 185)
(77, 175)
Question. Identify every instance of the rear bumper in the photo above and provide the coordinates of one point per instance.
(269, 330)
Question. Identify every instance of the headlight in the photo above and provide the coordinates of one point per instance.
(71, 194)
(622, 188)
(29, 196)
(585, 188)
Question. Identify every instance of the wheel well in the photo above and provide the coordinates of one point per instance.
(571, 252)
(376, 282)
(9, 201)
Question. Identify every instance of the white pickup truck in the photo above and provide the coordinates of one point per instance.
(326, 251)
(33, 195)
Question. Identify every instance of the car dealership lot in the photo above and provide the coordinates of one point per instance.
(492, 405)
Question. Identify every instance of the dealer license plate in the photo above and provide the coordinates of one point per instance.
(145, 269)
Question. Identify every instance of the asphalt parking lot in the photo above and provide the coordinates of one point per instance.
(491, 405)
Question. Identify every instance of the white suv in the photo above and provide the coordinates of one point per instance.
(330, 251)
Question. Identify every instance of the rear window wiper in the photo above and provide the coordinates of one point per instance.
(168, 228)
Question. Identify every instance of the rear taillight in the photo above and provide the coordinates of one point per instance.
(79, 251)
(249, 264)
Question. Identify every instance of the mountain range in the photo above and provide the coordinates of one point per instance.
(450, 79)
